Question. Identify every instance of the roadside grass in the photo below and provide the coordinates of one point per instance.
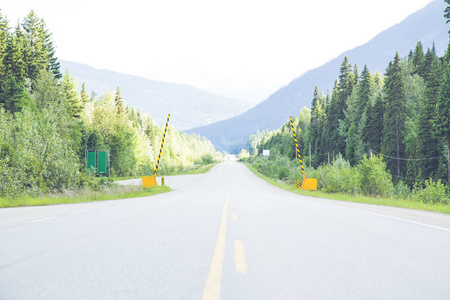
(113, 192)
(390, 201)
(102, 193)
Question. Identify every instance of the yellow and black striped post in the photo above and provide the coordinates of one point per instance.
(307, 183)
(296, 147)
(162, 180)
(297, 184)
(162, 144)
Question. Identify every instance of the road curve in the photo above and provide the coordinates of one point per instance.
(226, 234)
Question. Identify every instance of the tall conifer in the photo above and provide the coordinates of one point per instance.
(394, 118)
(118, 99)
(442, 122)
(427, 142)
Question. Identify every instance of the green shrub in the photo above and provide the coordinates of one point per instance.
(434, 192)
(402, 190)
(340, 177)
(373, 177)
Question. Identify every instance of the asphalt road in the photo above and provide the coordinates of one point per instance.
(223, 235)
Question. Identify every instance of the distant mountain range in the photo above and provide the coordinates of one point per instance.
(427, 25)
(189, 106)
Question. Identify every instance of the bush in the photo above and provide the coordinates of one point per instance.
(340, 177)
(402, 190)
(434, 192)
(207, 159)
(373, 178)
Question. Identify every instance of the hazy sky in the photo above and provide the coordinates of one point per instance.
(245, 49)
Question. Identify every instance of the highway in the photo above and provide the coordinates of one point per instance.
(226, 234)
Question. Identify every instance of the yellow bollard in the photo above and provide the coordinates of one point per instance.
(149, 181)
(309, 184)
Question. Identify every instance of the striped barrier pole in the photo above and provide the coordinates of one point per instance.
(296, 147)
(162, 144)
(307, 183)
(162, 180)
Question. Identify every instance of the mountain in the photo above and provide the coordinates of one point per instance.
(426, 25)
(189, 106)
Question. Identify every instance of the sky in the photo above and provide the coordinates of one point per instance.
(242, 49)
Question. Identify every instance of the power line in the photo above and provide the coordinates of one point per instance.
(408, 159)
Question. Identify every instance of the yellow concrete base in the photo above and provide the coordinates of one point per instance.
(309, 184)
(149, 181)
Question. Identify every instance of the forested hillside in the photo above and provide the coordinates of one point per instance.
(189, 106)
(401, 120)
(46, 123)
(426, 25)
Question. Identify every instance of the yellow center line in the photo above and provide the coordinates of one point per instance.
(239, 257)
(212, 287)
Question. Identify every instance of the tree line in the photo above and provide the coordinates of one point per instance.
(46, 123)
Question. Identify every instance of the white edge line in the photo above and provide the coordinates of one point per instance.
(389, 217)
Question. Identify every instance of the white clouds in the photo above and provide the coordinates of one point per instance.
(233, 47)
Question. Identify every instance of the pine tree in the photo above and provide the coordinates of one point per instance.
(14, 97)
(84, 96)
(427, 146)
(372, 128)
(442, 122)
(356, 75)
(338, 107)
(40, 51)
(394, 118)
(119, 102)
(418, 60)
(365, 91)
(332, 123)
(68, 87)
(14, 59)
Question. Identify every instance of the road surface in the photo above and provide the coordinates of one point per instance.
(226, 234)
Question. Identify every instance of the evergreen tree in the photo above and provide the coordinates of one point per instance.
(394, 118)
(119, 102)
(331, 134)
(418, 60)
(427, 142)
(372, 128)
(14, 59)
(68, 87)
(40, 51)
(346, 82)
(317, 118)
(14, 97)
(365, 91)
(84, 96)
(442, 122)
(356, 75)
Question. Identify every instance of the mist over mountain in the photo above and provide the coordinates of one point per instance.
(427, 25)
(189, 106)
